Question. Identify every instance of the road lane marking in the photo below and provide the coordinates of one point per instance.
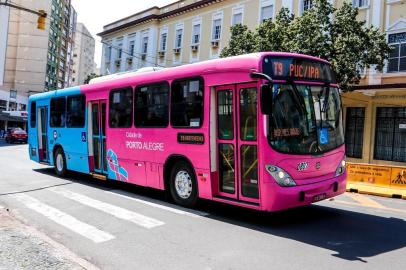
(67, 221)
(129, 196)
(113, 210)
(365, 201)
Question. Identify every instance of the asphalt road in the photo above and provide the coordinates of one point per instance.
(118, 226)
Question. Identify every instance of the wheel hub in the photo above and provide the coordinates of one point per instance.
(59, 162)
(183, 184)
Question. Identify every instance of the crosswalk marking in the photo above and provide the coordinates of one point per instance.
(64, 219)
(190, 213)
(113, 210)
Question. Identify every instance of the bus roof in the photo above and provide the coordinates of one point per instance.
(241, 62)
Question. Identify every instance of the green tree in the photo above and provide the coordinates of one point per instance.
(322, 31)
(242, 41)
(90, 76)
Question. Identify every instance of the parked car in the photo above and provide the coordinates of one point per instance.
(16, 135)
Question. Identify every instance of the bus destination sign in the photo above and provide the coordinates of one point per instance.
(298, 69)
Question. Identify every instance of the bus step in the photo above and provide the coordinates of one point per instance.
(44, 163)
(99, 176)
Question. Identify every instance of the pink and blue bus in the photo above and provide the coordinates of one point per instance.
(262, 131)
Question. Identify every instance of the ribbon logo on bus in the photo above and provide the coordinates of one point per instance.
(119, 172)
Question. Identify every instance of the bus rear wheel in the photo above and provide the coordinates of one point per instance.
(60, 163)
(183, 185)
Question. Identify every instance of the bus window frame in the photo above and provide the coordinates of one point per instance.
(201, 79)
(50, 112)
(84, 116)
(169, 102)
(132, 107)
(33, 121)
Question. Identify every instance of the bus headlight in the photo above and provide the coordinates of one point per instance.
(281, 177)
(341, 168)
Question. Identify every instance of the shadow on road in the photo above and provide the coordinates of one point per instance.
(350, 235)
(4, 144)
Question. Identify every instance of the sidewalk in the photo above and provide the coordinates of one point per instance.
(23, 247)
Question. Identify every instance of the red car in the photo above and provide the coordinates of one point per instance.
(16, 135)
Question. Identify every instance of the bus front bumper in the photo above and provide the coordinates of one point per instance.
(290, 197)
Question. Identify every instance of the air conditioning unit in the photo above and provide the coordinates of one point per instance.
(194, 48)
(176, 51)
(118, 62)
(214, 44)
(161, 54)
(143, 56)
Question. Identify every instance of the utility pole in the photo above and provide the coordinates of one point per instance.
(42, 15)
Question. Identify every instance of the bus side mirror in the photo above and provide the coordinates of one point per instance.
(266, 98)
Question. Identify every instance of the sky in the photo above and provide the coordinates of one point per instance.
(107, 11)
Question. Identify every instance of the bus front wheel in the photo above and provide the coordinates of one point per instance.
(183, 185)
(60, 162)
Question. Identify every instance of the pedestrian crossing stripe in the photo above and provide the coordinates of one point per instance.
(110, 209)
(69, 222)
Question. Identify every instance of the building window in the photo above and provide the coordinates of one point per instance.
(237, 18)
(216, 29)
(390, 134)
(58, 111)
(397, 56)
(359, 3)
(3, 105)
(119, 50)
(187, 103)
(131, 47)
(307, 4)
(121, 108)
(144, 45)
(12, 106)
(22, 107)
(151, 105)
(33, 114)
(266, 12)
(178, 38)
(196, 34)
(354, 132)
(75, 111)
(164, 38)
(108, 54)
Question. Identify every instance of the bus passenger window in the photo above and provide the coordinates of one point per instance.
(75, 112)
(151, 105)
(33, 114)
(248, 114)
(58, 112)
(121, 108)
(187, 103)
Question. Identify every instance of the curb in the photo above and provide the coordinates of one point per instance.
(376, 190)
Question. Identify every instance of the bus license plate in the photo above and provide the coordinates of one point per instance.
(319, 197)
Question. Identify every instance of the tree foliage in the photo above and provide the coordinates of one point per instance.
(90, 77)
(322, 31)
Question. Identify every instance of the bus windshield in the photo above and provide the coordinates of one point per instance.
(306, 119)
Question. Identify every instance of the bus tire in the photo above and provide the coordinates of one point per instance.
(60, 163)
(183, 184)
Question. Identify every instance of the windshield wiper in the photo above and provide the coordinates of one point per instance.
(299, 98)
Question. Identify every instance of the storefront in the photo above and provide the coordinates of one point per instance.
(375, 133)
(11, 119)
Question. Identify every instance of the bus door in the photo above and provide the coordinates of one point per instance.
(237, 142)
(43, 134)
(97, 136)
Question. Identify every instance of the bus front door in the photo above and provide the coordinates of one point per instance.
(43, 134)
(98, 136)
(237, 142)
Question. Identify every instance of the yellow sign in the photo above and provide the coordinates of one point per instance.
(369, 174)
(398, 179)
